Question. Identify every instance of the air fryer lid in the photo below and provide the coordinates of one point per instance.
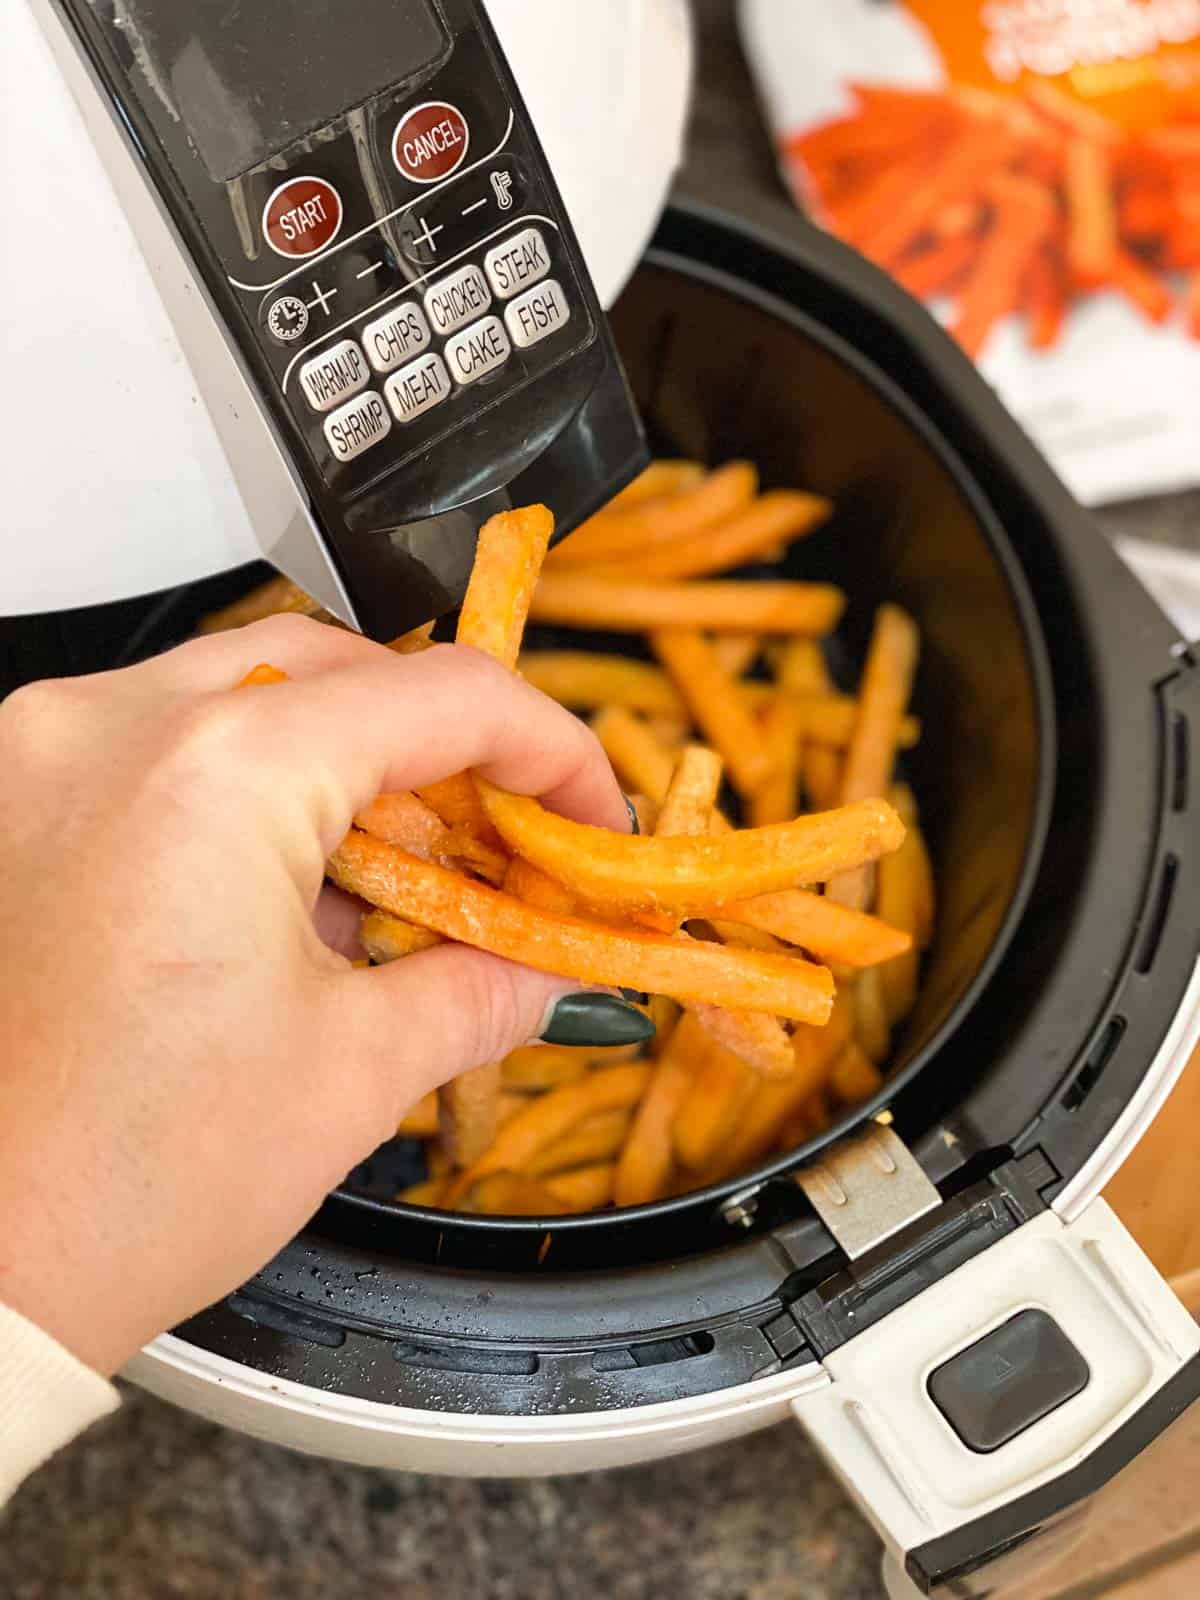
(1050, 856)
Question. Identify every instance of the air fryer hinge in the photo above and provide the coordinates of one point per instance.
(868, 1187)
(910, 1260)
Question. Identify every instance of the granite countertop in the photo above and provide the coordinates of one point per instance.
(156, 1504)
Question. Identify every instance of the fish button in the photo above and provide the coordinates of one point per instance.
(537, 314)
(418, 387)
(477, 350)
(334, 375)
(454, 301)
(355, 427)
(398, 335)
(521, 260)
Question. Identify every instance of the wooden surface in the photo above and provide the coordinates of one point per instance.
(1156, 1194)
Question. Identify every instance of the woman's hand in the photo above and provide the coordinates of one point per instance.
(186, 1066)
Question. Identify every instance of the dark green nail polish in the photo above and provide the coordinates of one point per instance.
(596, 1020)
(634, 825)
(638, 996)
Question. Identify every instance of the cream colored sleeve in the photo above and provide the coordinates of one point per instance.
(46, 1398)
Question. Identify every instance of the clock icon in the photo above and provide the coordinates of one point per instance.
(287, 318)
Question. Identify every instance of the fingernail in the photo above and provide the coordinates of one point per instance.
(638, 996)
(634, 825)
(596, 1020)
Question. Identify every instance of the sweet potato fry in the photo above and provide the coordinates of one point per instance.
(830, 931)
(262, 674)
(644, 1165)
(871, 1026)
(1143, 288)
(951, 175)
(800, 668)
(658, 479)
(508, 558)
(758, 1039)
(581, 600)
(777, 798)
(456, 800)
(421, 1120)
(1091, 214)
(431, 1192)
(722, 1085)
(512, 1194)
(1025, 216)
(278, 597)
(1045, 299)
(585, 681)
(774, 1102)
(691, 795)
(469, 1108)
(718, 705)
(631, 531)
(905, 900)
(475, 914)
(854, 1077)
(585, 1188)
(539, 1067)
(597, 1138)
(690, 875)
(386, 938)
(737, 652)
(823, 767)
(828, 718)
(939, 266)
(773, 520)
(638, 757)
(550, 1116)
(1068, 114)
(886, 686)
(1193, 305)
(414, 641)
(405, 820)
(529, 883)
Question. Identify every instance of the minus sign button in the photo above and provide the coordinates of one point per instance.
(467, 210)
(367, 271)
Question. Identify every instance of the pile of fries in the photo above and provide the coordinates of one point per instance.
(1010, 203)
(779, 956)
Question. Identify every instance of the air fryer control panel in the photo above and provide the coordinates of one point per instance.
(374, 220)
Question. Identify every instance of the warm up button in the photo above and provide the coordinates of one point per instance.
(536, 314)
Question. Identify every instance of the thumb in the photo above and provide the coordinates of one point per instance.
(429, 1017)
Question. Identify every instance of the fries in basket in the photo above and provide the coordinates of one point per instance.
(780, 955)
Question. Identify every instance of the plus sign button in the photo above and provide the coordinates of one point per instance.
(301, 217)
(431, 142)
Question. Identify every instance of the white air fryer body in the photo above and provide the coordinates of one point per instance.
(154, 467)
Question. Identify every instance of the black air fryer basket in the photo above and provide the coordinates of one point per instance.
(1060, 713)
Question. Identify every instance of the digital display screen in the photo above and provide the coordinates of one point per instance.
(250, 77)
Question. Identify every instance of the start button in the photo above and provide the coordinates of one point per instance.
(302, 216)
(431, 141)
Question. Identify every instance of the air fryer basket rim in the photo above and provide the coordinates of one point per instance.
(1026, 612)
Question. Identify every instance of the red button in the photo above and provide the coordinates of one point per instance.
(431, 142)
(302, 217)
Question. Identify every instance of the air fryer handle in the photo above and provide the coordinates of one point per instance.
(976, 1422)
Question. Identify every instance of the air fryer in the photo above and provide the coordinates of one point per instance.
(1060, 713)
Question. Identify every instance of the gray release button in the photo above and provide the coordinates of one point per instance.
(418, 387)
(536, 314)
(477, 350)
(356, 426)
(521, 260)
(1002, 1384)
(334, 375)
